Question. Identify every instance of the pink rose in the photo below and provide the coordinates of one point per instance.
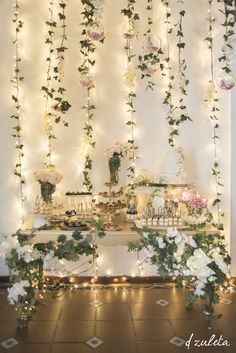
(128, 35)
(97, 36)
(86, 82)
(150, 70)
(151, 48)
(226, 83)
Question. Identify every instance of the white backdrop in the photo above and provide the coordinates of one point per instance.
(152, 128)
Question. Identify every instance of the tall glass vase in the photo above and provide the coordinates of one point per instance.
(47, 190)
(114, 166)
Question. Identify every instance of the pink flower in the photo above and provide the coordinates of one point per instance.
(97, 36)
(128, 35)
(226, 83)
(197, 202)
(150, 70)
(57, 108)
(187, 195)
(151, 48)
(86, 82)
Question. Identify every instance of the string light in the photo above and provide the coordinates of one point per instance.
(130, 78)
(91, 17)
(168, 100)
(16, 98)
(213, 116)
(48, 89)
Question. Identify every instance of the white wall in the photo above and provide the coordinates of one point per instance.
(152, 129)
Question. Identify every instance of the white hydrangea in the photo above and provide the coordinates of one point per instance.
(27, 253)
(52, 263)
(4, 249)
(18, 289)
(48, 175)
(219, 260)
(161, 243)
(198, 268)
(118, 148)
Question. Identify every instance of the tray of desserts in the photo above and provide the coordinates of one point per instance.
(74, 225)
(114, 194)
(111, 206)
(111, 227)
(57, 219)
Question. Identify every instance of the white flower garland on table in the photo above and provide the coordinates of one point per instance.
(201, 260)
(27, 261)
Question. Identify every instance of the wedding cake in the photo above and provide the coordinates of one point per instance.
(173, 168)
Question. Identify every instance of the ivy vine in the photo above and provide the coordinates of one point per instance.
(228, 24)
(213, 103)
(48, 89)
(87, 49)
(168, 98)
(150, 59)
(129, 34)
(183, 81)
(18, 128)
(61, 105)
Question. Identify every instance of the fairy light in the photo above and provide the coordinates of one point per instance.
(182, 79)
(91, 16)
(213, 116)
(130, 75)
(168, 100)
(16, 98)
(48, 89)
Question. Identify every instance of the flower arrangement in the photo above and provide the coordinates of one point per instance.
(226, 83)
(198, 213)
(48, 175)
(114, 154)
(27, 261)
(119, 148)
(48, 178)
(201, 260)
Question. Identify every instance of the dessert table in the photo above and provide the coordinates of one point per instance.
(114, 258)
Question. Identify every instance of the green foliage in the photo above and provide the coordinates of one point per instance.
(88, 49)
(163, 254)
(25, 263)
(132, 18)
(228, 24)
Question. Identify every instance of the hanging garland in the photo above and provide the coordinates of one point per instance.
(48, 90)
(182, 79)
(18, 128)
(130, 78)
(168, 99)
(212, 101)
(61, 105)
(91, 32)
(150, 58)
(226, 82)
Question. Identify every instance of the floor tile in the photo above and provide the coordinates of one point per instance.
(226, 327)
(184, 328)
(155, 330)
(117, 347)
(31, 348)
(115, 311)
(74, 331)
(47, 311)
(77, 311)
(71, 348)
(155, 347)
(37, 331)
(115, 331)
(149, 311)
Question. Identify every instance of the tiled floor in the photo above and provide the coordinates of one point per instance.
(125, 320)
